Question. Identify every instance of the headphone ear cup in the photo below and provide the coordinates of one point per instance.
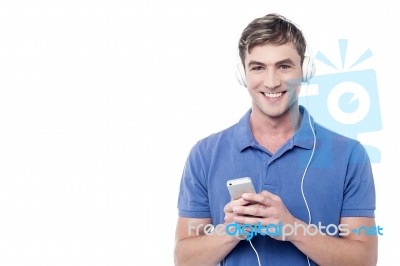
(308, 69)
(240, 73)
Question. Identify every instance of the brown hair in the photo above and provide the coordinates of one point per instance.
(271, 29)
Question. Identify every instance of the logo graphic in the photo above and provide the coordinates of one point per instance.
(346, 102)
(282, 230)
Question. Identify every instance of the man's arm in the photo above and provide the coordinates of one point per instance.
(193, 247)
(352, 249)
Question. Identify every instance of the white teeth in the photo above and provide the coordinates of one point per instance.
(273, 95)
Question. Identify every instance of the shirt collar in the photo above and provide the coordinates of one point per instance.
(303, 137)
(243, 134)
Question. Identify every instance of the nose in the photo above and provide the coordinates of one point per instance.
(272, 79)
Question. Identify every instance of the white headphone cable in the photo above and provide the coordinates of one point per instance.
(258, 258)
(308, 164)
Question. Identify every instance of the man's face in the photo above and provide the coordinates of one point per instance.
(273, 79)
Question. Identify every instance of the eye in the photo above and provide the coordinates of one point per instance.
(284, 67)
(256, 68)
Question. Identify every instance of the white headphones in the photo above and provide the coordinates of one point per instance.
(308, 70)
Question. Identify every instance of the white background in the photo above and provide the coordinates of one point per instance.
(101, 101)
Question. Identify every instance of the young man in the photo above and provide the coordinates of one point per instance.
(303, 173)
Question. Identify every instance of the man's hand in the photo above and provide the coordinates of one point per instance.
(230, 215)
(228, 209)
(267, 208)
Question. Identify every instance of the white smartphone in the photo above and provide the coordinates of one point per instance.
(239, 186)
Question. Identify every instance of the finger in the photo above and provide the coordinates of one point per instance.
(259, 198)
(239, 202)
(253, 210)
(247, 219)
(269, 195)
(228, 218)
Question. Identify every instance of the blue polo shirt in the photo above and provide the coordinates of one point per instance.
(338, 183)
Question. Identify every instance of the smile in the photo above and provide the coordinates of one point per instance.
(274, 95)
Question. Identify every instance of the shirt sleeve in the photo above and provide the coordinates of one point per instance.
(193, 196)
(359, 190)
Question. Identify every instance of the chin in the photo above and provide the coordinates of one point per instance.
(274, 113)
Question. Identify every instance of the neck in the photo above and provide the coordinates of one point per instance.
(285, 124)
(273, 132)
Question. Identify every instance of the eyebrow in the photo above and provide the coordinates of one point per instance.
(280, 62)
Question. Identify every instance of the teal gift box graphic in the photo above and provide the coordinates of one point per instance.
(346, 102)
